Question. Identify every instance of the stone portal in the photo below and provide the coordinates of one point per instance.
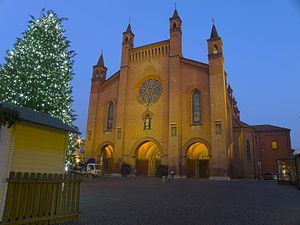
(148, 158)
(197, 161)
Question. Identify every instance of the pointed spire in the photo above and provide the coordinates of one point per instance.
(101, 61)
(214, 33)
(175, 14)
(129, 30)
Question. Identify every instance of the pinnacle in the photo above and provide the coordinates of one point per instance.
(129, 30)
(214, 33)
(175, 14)
(101, 61)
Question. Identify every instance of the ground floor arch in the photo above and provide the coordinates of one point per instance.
(148, 158)
(197, 160)
(106, 158)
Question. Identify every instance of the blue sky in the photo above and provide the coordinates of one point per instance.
(261, 45)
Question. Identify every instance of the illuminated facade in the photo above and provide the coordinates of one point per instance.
(162, 108)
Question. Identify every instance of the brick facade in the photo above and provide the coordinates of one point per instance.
(265, 152)
(169, 126)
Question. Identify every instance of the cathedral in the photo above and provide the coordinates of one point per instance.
(161, 108)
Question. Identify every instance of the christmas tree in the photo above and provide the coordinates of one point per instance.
(38, 71)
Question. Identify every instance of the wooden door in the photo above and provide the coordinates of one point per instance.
(203, 168)
(141, 167)
(190, 168)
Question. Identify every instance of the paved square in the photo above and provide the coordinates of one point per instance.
(188, 201)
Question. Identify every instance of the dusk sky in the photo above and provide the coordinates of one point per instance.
(260, 40)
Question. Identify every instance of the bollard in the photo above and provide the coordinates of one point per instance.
(163, 179)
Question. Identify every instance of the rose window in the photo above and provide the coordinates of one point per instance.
(149, 91)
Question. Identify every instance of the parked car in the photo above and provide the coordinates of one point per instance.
(90, 169)
(268, 176)
(93, 169)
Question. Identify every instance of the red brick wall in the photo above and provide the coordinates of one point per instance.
(264, 152)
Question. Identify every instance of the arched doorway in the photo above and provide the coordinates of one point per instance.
(148, 158)
(197, 160)
(106, 159)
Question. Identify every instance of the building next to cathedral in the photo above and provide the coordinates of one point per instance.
(163, 108)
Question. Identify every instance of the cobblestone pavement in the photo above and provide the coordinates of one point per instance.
(146, 201)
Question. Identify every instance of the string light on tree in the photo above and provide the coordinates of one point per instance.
(38, 71)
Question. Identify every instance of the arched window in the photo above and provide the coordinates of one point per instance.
(110, 113)
(196, 107)
(174, 25)
(248, 150)
(215, 51)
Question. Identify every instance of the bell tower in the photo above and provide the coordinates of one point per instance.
(127, 44)
(218, 103)
(174, 152)
(99, 71)
(98, 78)
(175, 35)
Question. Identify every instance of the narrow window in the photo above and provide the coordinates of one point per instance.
(174, 25)
(196, 107)
(218, 126)
(110, 116)
(215, 51)
(173, 129)
(119, 132)
(274, 144)
(248, 150)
